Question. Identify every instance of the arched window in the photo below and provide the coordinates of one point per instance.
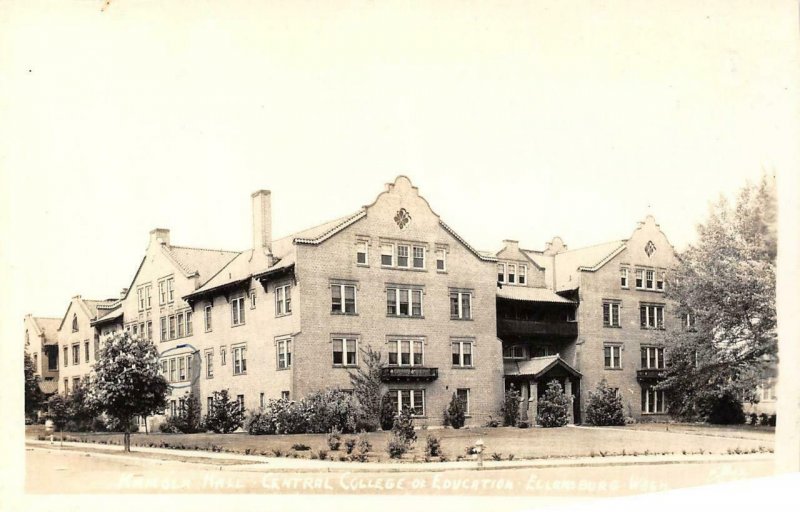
(74, 323)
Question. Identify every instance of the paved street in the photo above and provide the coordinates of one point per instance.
(52, 470)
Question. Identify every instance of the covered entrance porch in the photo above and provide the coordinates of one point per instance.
(531, 377)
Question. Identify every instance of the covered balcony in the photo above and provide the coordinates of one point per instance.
(408, 373)
(525, 312)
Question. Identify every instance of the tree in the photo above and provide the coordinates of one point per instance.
(57, 412)
(455, 414)
(81, 408)
(225, 415)
(366, 384)
(510, 407)
(33, 394)
(127, 381)
(604, 407)
(553, 410)
(726, 283)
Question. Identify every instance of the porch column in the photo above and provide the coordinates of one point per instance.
(568, 392)
(523, 402)
(533, 402)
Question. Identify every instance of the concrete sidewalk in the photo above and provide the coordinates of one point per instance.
(258, 463)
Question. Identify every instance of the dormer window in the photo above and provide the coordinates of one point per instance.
(512, 273)
(74, 323)
(523, 274)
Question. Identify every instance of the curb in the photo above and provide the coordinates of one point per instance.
(251, 463)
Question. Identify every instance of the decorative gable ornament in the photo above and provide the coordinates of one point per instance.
(402, 218)
(650, 248)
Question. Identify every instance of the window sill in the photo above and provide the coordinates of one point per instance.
(613, 326)
(406, 316)
(283, 369)
(613, 369)
(283, 315)
(345, 366)
(462, 367)
(462, 319)
(652, 328)
(364, 265)
(240, 373)
(337, 313)
(209, 377)
(238, 325)
(405, 269)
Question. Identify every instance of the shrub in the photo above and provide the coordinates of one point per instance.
(433, 446)
(350, 445)
(724, 408)
(225, 415)
(510, 407)
(553, 406)
(300, 447)
(763, 419)
(364, 447)
(753, 419)
(187, 421)
(322, 454)
(388, 412)
(404, 427)
(773, 420)
(455, 414)
(332, 408)
(334, 439)
(604, 407)
(492, 423)
(397, 446)
(367, 383)
(169, 426)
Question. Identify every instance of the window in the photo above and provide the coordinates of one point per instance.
(162, 292)
(66, 356)
(252, 299)
(180, 320)
(210, 364)
(172, 327)
(611, 314)
(523, 274)
(76, 381)
(76, 354)
(613, 356)
(441, 260)
(387, 255)
(543, 351)
(623, 277)
(147, 296)
(208, 318)
(66, 386)
(209, 404)
(96, 346)
(406, 353)
(237, 311)
(86, 350)
(419, 257)
(766, 389)
(344, 352)
(36, 362)
(688, 322)
(170, 289)
(164, 328)
(284, 354)
(188, 317)
(660, 282)
(283, 300)
(402, 256)
(460, 305)
(172, 370)
(343, 299)
(362, 253)
(639, 278)
(223, 356)
(501, 272)
(284, 395)
(651, 316)
(403, 302)
(140, 298)
(514, 352)
(240, 400)
(512, 273)
(239, 360)
(649, 279)
(150, 329)
(261, 400)
(181, 369)
(74, 323)
(411, 399)
(462, 353)
(652, 358)
(653, 401)
(463, 395)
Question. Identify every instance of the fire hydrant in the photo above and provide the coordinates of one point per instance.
(49, 429)
(478, 449)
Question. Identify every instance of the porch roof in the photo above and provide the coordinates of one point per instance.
(536, 367)
(530, 294)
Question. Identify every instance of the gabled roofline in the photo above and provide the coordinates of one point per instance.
(474, 251)
(605, 260)
(336, 229)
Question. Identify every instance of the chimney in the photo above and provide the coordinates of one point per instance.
(262, 221)
(122, 293)
(160, 236)
(511, 244)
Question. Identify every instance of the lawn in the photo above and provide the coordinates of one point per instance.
(532, 443)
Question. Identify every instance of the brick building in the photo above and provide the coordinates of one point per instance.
(294, 315)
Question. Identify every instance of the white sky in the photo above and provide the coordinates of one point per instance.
(515, 119)
(519, 120)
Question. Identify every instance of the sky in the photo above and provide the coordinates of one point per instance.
(516, 120)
